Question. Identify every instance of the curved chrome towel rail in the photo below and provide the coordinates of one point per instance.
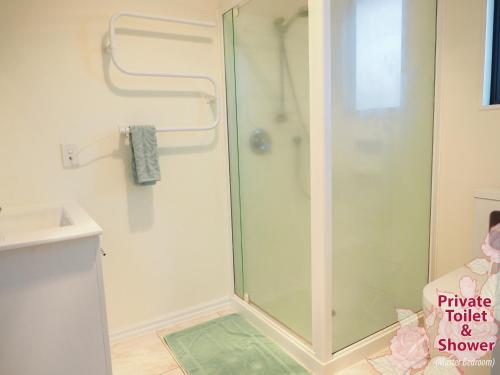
(120, 67)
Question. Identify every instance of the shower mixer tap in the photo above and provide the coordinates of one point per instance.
(260, 141)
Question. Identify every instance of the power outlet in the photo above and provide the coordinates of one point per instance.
(70, 155)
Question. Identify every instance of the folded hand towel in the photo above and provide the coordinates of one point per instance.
(145, 165)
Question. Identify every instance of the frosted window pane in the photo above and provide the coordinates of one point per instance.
(378, 54)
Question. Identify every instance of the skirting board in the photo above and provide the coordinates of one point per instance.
(170, 319)
(303, 353)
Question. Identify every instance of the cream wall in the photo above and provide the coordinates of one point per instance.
(168, 245)
(468, 137)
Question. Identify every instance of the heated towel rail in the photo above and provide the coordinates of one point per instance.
(206, 77)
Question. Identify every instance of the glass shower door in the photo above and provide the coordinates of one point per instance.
(266, 54)
(383, 74)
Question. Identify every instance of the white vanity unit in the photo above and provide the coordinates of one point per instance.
(52, 308)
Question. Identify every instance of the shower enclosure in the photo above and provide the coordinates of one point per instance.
(330, 107)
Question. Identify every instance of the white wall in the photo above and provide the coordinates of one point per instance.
(168, 245)
(468, 138)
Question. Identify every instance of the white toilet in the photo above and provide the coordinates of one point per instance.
(486, 216)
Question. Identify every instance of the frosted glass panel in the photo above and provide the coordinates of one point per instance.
(268, 123)
(383, 74)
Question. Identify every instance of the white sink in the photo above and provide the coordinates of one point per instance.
(35, 225)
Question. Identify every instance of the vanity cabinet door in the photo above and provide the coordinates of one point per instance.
(52, 312)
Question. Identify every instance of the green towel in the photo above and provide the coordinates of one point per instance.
(145, 165)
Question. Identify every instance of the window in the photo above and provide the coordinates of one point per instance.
(492, 65)
(378, 54)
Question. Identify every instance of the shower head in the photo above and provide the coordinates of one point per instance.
(282, 24)
(303, 12)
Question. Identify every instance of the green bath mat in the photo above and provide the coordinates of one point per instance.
(229, 346)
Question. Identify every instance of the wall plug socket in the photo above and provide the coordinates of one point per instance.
(70, 155)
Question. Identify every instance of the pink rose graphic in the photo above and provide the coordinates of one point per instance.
(491, 245)
(480, 332)
(468, 287)
(410, 348)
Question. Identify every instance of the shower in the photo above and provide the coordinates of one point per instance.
(282, 26)
(267, 69)
(377, 176)
(301, 140)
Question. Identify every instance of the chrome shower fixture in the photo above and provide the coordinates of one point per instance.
(282, 24)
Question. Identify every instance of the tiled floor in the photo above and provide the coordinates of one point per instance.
(149, 355)
(361, 368)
